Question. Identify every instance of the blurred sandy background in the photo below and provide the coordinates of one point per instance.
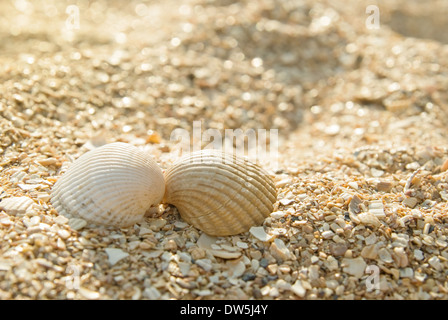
(358, 110)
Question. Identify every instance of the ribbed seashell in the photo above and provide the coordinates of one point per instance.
(113, 185)
(218, 193)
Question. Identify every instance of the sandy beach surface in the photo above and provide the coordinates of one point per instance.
(353, 93)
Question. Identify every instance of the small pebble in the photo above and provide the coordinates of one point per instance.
(264, 262)
(249, 277)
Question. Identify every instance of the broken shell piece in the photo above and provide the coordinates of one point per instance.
(376, 207)
(355, 202)
(384, 186)
(410, 202)
(444, 195)
(365, 218)
(115, 255)
(368, 218)
(18, 205)
(112, 185)
(218, 193)
(354, 208)
(444, 166)
(224, 254)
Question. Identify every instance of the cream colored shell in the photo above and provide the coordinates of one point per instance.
(220, 194)
(18, 205)
(112, 185)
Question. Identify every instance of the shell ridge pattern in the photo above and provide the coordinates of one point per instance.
(218, 193)
(111, 185)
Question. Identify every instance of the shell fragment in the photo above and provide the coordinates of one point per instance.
(18, 205)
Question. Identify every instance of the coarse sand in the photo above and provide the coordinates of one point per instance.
(361, 168)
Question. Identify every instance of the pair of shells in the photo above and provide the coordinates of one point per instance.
(116, 184)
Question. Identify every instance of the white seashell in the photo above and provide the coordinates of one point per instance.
(219, 193)
(112, 185)
(18, 205)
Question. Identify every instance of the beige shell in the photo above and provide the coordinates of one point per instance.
(18, 205)
(112, 185)
(218, 193)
